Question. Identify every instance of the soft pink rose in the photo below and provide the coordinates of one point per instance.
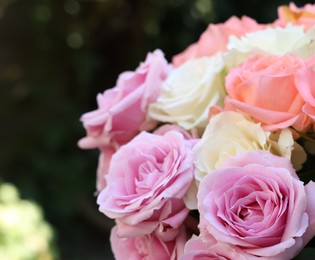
(298, 16)
(105, 156)
(257, 203)
(264, 87)
(188, 135)
(122, 110)
(197, 249)
(147, 180)
(161, 244)
(216, 37)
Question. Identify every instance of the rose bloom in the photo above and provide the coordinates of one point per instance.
(257, 203)
(216, 37)
(299, 16)
(231, 133)
(264, 87)
(189, 91)
(162, 243)
(277, 41)
(122, 110)
(147, 180)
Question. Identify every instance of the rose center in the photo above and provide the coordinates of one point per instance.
(149, 174)
(251, 212)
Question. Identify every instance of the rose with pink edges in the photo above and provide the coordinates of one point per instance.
(147, 180)
(257, 203)
(122, 110)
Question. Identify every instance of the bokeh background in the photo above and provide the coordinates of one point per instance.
(55, 56)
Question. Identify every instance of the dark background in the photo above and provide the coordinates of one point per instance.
(55, 56)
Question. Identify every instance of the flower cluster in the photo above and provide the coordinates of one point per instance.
(203, 157)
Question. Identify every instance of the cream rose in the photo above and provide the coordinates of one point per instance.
(276, 41)
(189, 91)
(230, 133)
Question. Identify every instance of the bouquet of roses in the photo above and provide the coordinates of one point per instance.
(210, 156)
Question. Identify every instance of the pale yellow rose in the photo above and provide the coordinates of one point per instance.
(230, 133)
(189, 91)
(277, 41)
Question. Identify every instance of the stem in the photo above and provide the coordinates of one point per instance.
(304, 136)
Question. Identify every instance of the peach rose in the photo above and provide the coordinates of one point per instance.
(305, 85)
(264, 87)
(216, 37)
(299, 16)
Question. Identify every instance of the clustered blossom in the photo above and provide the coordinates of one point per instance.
(202, 158)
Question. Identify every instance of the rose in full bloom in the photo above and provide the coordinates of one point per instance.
(231, 133)
(216, 37)
(189, 91)
(299, 16)
(160, 244)
(264, 87)
(122, 110)
(257, 203)
(146, 182)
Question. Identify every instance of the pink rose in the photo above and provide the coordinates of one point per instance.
(147, 180)
(197, 249)
(264, 87)
(105, 156)
(216, 38)
(188, 135)
(161, 244)
(298, 16)
(257, 203)
(122, 110)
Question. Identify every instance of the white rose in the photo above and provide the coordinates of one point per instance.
(229, 134)
(276, 41)
(189, 91)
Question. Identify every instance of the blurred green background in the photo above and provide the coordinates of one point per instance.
(55, 56)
